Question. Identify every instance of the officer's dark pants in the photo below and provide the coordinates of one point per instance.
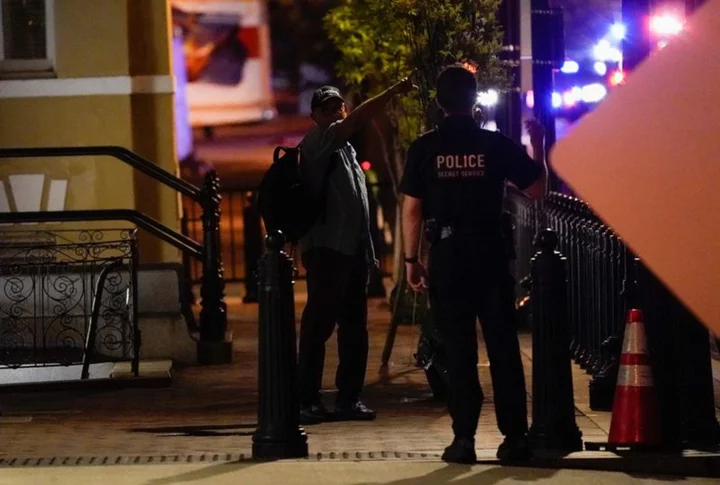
(469, 279)
(337, 293)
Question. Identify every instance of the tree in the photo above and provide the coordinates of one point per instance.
(381, 41)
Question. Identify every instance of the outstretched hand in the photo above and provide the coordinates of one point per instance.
(406, 84)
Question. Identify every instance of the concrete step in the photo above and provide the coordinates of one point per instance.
(152, 373)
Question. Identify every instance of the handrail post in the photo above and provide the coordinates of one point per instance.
(213, 347)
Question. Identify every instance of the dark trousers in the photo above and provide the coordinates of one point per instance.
(470, 280)
(337, 293)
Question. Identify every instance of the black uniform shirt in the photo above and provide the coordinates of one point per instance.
(459, 171)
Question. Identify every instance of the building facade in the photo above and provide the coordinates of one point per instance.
(76, 73)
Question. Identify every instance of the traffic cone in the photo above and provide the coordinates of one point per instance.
(635, 416)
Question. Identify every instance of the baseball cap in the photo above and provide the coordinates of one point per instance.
(324, 94)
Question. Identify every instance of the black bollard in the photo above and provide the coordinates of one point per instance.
(252, 240)
(553, 424)
(279, 434)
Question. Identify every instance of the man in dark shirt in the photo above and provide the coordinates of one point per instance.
(455, 180)
(337, 253)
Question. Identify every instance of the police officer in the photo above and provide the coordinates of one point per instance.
(454, 182)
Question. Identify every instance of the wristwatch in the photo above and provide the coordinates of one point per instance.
(412, 260)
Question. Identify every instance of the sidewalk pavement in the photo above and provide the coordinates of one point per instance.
(308, 472)
(210, 412)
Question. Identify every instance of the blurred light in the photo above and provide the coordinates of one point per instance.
(488, 98)
(665, 25)
(603, 51)
(617, 77)
(366, 165)
(618, 31)
(556, 100)
(570, 67)
(600, 68)
(576, 92)
(530, 99)
(662, 44)
(593, 93)
(569, 99)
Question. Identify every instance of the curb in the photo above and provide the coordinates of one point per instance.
(689, 464)
(150, 382)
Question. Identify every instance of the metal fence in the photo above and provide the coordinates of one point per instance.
(595, 270)
(604, 279)
(596, 260)
(48, 280)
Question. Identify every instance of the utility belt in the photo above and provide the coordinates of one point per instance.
(499, 235)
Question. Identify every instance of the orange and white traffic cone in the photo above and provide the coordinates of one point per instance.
(636, 414)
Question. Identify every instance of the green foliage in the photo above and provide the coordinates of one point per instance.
(381, 41)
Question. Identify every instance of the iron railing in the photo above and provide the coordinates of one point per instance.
(213, 314)
(596, 261)
(52, 280)
(604, 280)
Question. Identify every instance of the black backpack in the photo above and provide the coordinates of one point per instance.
(286, 203)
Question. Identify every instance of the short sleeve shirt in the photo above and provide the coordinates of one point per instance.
(459, 171)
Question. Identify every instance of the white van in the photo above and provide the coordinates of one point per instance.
(227, 63)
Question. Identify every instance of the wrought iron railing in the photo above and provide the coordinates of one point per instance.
(604, 280)
(596, 261)
(48, 280)
(213, 314)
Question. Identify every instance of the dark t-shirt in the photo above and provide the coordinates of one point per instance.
(459, 171)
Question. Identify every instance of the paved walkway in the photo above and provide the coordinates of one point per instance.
(211, 410)
(309, 472)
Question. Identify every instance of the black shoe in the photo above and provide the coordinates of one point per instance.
(514, 448)
(462, 450)
(353, 412)
(313, 413)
